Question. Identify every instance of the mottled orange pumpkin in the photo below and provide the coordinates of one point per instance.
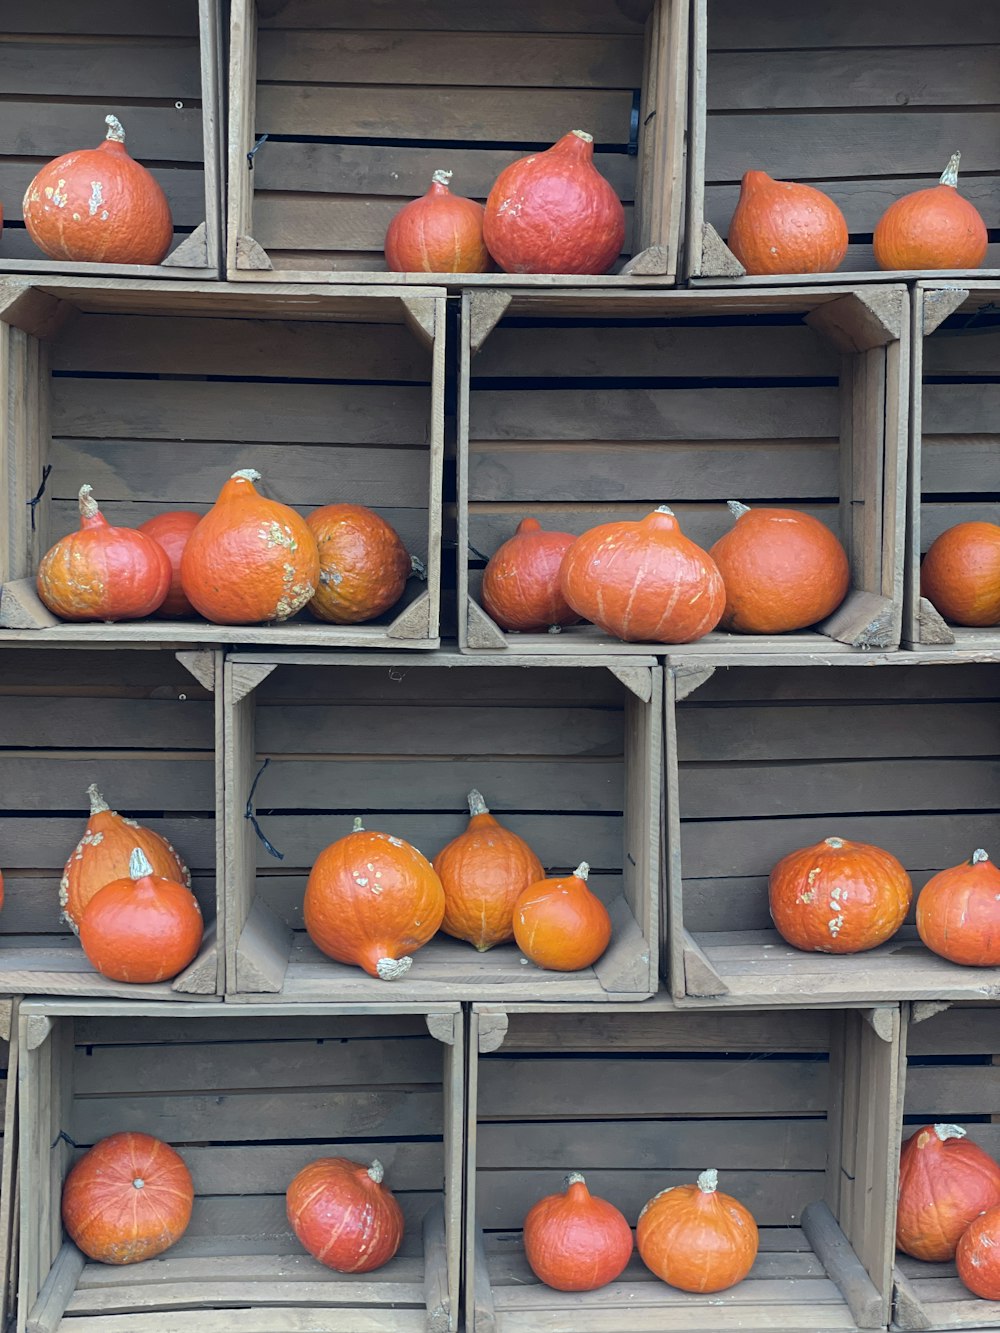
(560, 925)
(172, 531)
(958, 912)
(439, 233)
(945, 1180)
(978, 1256)
(521, 589)
(697, 1239)
(574, 1241)
(933, 228)
(960, 574)
(344, 1215)
(782, 227)
(363, 564)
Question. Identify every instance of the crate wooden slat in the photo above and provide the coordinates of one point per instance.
(362, 103)
(799, 1122)
(157, 66)
(844, 98)
(568, 757)
(8, 1154)
(155, 393)
(581, 409)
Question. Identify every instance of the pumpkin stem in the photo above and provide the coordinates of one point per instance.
(138, 864)
(582, 871)
(115, 131)
(391, 969)
(664, 509)
(736, 509)
(358, 825)
(442, 177)
(835, 843)
(246, 474)
(979, 856)
(139, 1183)
(418, 569)
(88, 505)
(377, 1171)
(946, 1132)
(97, 802)
(582, 134)
(574, 1178)
(477, 804)
(708, 1181)
(950, 174)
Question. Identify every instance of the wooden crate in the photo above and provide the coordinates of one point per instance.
(361, 103)
(156, 65)
(8, 1155)
(143, 726)
(155, 393)
(763, 761)
(797, 1111)
(569, 758)
(248, 1098)
(845, 97)
(588, 407)
(951, 1076)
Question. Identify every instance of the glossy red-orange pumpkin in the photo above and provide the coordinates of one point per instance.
(783, 570)
(172, 531)
(554, 212)
(250, 560)
(644, 581)
(344, 1215)
(574, 1241)
(98, 205)
(958, 912)
(521, 588)
(103, 573)
(484, 871)
(439, 233)
(697, 1239)
(978, 1256)
(960, 574)
(372, 900)
(934, 228)
(103, 854)
(945, 1181)
(129, 1198)
(363, 564)
(560, 925)
(782, 227)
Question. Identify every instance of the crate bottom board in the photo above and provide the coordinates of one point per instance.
(931, 1296)
(968, 640)
(724, 647)
(56, 965)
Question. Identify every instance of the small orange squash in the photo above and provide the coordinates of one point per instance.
(172, 531)
(560, 925)
(697, 1239)
(574, 1241)
(363, 564)
(960, 575)
(521, 581)
(945, 1180)
(958, 912)
(439, 233)
(782, 227)
(344, 1215)
(934, 228)
(978, 1256)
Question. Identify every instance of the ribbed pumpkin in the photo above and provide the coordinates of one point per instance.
(101, 572)
(439, 233)
(98, 205)
(944, 1182)
(344, 1215)
(363, 564)
(933, 228)
(574, 1241)
(960, 574)
(484, 871)
(250, 560)
(838, 896)
(560, 925)
(978, 1256)
(521, 588)
(172, 531)
(644, 581)
(103, 854)
(781, 227)
(128, 1199)
(697, 1239)
(554, 212)
(958, 912)
(372, 900)
(783, 570)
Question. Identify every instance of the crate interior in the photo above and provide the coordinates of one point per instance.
(562, 757)
(247, 1102)
(851, 100)
(774, 759)
(64, 66)
(141, 727)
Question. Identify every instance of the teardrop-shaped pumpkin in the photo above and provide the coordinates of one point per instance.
(958, 912)
(934, 228)
(103, 854)
(978, 1256)
(344, 1215)
(250, 561)
(560, 925)
(98, 205)
(439, 233)
(574, 1241)
(697, 1239)
(960, 574)
(782, 227)
(172, 531)
(372, 900)
(484, 871)
(521, 589)
(945, 1181)
(363, 564)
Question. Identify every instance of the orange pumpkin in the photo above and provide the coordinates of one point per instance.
(103, 854)
(781, 227)
(697, 1239)
(958, 912)
(783, 570)
(363, 564)
(838, 896)
(978, 1256)
(128, 1199)
(521, 581)
(933, 228)
(372, 900)
(344, 1215)
(644, 581)
(172, 531)
(250, 560)
(98, 205)
(574, 1241)
(484, 871)
(960, 574)
(945, 1181)
(440, 233)
(560, 925)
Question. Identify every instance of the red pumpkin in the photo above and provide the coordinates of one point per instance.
(644, 582)
(372, 900)
(521, 588)
(960, 574)
(560, 925)
(781, 227)
(172, 531)
(128, 1199)
(838, 896)
(944, 1182)
(98, 205)
(958, 913)
(101, 572)
(697, 1239)
(363, 564)
(440, 233)
(978, 1256)
(933, 228)
(554, 212)
(344, 1215)
(783, 571)
(575, 1242)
